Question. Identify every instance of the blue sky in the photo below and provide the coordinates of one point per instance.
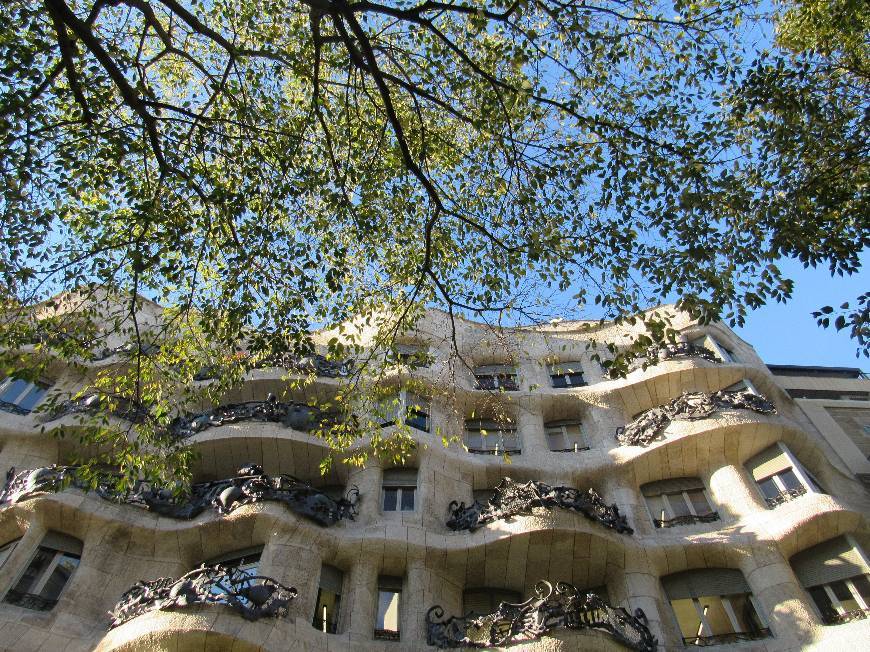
(788, 334)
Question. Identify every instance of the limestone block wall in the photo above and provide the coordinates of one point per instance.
(122, 544)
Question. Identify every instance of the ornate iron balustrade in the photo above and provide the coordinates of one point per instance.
(293, 415)
(785, 496)
(94, 403)
(687, 519)
(733, 637)
(253, 596)
(833, 618)
(678, 350)
(29, 600)
(6, 406)
(690, 406)
(512, 498)
(316, 364)
(550, 608)
(250, 486)
(495, 451)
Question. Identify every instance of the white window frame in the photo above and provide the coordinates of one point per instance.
(496, 377)
(400, 489)
(41, 580)
(803, 476)
(498, 435)
(564, 434)
(721, 351)
(729, 611)
(669, 510)
(566, 375)
(29, 387)
(403, 410)
(835, 602)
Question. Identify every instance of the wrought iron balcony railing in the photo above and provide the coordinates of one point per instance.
(251, 485)
(674, 351)
(386, 635)
(687, 519)
(833, 618)
(690, 406)
(785, 496)
(6, 406)
(512, 498)
(559, 607)
(253, 596)
(29, 600)
(721, 639)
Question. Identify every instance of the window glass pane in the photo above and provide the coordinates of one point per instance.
(407, 499)
(559, 380)
(486, 382)
(687, 618)
(510, 440)
(30, 398)
(326, 611)
(678, 505)
(13, 390)
(768, 487)
(556, 438)
(862, 584)
(388, 611)
(573, 432)
(789, 479)
(473, 439)
(844, 595)
(747, 618)
(699, 502)
(823, 602)
(390, 497)
(715, 615)
(60, 576)
(38, 565)
(657, 508)
(418, 419)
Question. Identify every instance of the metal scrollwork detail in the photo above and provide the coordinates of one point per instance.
(253, 596)
(513, 498)
(293, 415)
(690, 406)
(562, 606)
(94, 403)
(673, 351)
(250, 486)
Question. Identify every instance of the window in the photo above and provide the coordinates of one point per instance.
(713, 606)
(566, 374)
(565, 436)
(20, 396)
(744, 385)
(678, 501)
(409, 354)
(497, 377)
(48, 572)
(779, 476)
(242, 567)
(328, 603)
(387, 621)
(490, 437)
(407, 407)
(400, 487)
(837, 578)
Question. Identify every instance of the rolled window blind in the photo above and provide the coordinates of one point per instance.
(331, 578)
(671, 485)
(400, 478)
(493, 369)
(703, 582)
(830, 561)
(767, 462)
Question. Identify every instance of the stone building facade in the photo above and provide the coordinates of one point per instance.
(690, 503)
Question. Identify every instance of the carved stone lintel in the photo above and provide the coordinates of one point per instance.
(253, 596)
(251, 485)
(690, 406)
(550, 608)
(512, 498)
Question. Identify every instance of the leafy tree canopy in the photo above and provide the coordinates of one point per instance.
(268, 167)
